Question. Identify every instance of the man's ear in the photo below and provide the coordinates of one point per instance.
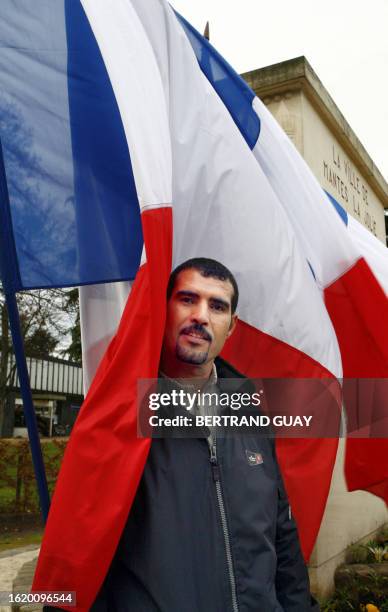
(232, 326)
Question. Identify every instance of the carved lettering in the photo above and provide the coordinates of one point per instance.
(356, 206)
(336, 158)
(335, 180)
(355, 181)
(370, 222)
(349, 185)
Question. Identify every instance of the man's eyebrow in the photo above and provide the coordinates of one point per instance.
(186, 293)
(220, 302)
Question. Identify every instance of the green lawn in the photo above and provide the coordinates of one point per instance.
(15, 539)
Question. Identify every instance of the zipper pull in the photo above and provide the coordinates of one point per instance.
(215, 471)
(214, 464)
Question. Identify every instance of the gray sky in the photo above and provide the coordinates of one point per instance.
(345, 41)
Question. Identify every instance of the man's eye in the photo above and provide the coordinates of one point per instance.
(218, 307)
(186, 299)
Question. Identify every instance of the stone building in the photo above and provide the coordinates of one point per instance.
(300, 103)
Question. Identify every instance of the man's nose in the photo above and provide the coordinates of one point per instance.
(200, 313)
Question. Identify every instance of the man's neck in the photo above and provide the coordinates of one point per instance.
(181, 370)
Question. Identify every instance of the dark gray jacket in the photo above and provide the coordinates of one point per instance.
(209, 533)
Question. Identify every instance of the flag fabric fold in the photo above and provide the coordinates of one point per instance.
(104, 459)
(223, 207)
(331, 250)
(73, 209)
(342, 261)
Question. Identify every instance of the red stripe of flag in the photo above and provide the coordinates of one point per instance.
(306, 465)
(104, 460)
(358, 308)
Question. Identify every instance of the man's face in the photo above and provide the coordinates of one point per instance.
(199, 318)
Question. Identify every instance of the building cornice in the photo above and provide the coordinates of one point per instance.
(297, 75)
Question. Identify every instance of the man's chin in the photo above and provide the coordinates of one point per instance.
(190, 356)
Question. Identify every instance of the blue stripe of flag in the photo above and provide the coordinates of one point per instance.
(73, 212)
(232, 89)
(234, 92)
(340, 210)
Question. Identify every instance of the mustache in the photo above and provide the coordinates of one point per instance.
(198, 329)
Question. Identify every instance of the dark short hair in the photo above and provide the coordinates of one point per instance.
(208, 268)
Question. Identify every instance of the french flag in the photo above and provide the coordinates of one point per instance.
(198, 168)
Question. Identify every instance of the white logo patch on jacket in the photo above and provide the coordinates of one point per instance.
(254, 458)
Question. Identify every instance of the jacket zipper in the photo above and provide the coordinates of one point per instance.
(216, 477)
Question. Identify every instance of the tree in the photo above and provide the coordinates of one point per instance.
(47, 319)
(41, 344)
(74, 350)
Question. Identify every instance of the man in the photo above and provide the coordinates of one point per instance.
(210, 529)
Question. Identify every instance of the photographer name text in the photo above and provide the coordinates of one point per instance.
(230, 420)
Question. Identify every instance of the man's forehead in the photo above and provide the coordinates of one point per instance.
(192, 280)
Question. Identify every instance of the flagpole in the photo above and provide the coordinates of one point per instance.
(8, 267)
(28, 406)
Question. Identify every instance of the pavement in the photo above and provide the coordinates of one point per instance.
(17, 568)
